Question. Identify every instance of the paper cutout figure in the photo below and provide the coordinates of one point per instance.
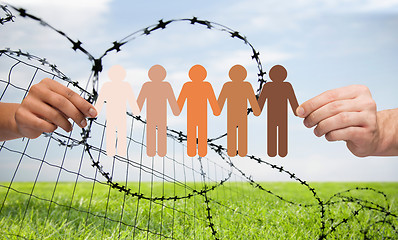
(116, 94)
(237, 93)
(157, 93)
(197, 93)
(278, 93)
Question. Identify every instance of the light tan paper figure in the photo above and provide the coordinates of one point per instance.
(197, 93)
(278, 93)
(237, 93)
(116, 94)
(157, 93)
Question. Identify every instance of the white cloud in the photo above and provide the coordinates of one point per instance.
(286, 15)
(374, 5)
(72, 13)
(272, 56)
(78, 19)
(222, 63)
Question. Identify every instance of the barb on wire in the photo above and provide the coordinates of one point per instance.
(6, 15)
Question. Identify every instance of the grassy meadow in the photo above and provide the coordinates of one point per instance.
(238, 211)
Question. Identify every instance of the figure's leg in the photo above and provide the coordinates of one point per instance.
(151, 139)
(242, 138)
(202, 141)
(191, 139)
(272, 139)
(282, 140)
(162, 140)
(231, 139)
(122, 138)
(110, 139)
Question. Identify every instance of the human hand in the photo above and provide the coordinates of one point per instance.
(347, 114)
(48, 106)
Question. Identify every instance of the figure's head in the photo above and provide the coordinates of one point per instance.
(117, 73)
(278, 73)
(157, 73)
(197, 73)
(237, 73)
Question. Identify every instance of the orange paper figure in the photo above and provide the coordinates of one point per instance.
(278, 93)
(116, 94)
(157, 93)
(237, 93)
(197, 93)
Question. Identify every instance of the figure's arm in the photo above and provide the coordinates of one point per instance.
(292, 99)
(252, 100)
(212, 100)
(183, 96)
(172, 100)
(133, 103)
(222, 97)
(142, 96)
(262, 97)
(47, 106)
(350, 114)
(101, 99)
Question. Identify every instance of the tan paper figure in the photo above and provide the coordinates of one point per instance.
(278, 93)
(157, 93)
(116, 94)
(197, 93)
(237, 93)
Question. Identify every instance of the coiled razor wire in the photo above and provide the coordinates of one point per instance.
(328, 224)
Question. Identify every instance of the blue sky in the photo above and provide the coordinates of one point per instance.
(322, 44)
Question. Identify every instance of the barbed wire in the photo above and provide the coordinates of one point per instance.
(8, 17)
(328, 225)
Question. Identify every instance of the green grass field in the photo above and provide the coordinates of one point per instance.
(238, 211)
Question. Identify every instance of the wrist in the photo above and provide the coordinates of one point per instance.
(388, 133)
(13, 122)
(8, 125)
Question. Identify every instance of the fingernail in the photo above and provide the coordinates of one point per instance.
(306, 124)
(92, 112)
(316, 132)
(300, 111)
(83, 123)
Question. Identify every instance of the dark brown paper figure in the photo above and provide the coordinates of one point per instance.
(278, 93)
(197, 93)
(116, 94)
(237, 93)
(157, 93)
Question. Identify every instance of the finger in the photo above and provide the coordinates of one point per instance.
(32, 126)
(63, 105)
(339, 121)
(313, 104)
(49, 114)
(331, 109)
(80, 103)
(345, 134)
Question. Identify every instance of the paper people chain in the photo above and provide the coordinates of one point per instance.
(278, 94)
(157, 93)
(237, 93)
(197, 93)
(116, 94)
